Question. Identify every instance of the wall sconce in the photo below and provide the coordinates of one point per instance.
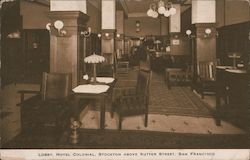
(106, 34)
(58, 24)
(14, 35)
(86, 33)
(208, 31)
(118, 35)
(137, 25)
(99, 35)
(189, 33)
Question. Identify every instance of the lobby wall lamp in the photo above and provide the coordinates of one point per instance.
(58, 24)
(106, 34)
(99, 35)
(86, 33)
(189, 34)
(208, 32)
(137, 25)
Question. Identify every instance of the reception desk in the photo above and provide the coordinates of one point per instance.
(232, 95)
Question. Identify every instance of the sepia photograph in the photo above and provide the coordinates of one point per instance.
(124, 79)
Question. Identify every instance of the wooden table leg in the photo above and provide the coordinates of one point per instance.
(218, 105)
(102, 114)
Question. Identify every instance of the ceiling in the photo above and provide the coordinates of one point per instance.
(140, 7)
(134, 8)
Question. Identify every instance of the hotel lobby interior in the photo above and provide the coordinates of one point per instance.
(168, 74)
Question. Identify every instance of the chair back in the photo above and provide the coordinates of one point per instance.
(56, 86)
(206, 70)
(143, 82)
(107, 68)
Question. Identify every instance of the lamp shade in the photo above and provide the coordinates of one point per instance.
(94, 59)
(167, 13)
(172, 11)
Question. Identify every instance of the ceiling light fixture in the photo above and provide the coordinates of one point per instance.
(167, 9)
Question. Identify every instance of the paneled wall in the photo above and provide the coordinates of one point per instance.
(230, 12)
(148, 26)
(233, 38)
(34, 15)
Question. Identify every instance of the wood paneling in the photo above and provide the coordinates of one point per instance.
(233, 38)
(11, 48)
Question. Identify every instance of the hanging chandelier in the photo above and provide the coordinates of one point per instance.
(161, 8)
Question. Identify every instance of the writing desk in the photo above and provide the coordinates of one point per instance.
(91, 91)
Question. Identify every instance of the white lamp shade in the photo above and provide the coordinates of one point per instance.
(58, 24)
(172, 11)
(48, 26)
(94, 59)
(155, 15)
(161, 10)
(150, 12)
(167, 13)
(188, 32)
(208, 31)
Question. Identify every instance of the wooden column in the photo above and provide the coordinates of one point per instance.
(66, 52)
(108, 25)
(204, 17)
(205, 44)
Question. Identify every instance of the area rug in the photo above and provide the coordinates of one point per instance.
(179, 100)
(113, 139)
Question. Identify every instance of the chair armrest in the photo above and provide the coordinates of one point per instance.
(23, 92)
(28, 92)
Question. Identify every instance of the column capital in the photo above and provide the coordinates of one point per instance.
(201, 30)
(74, 21)
(111, 33)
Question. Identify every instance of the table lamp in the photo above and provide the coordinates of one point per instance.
(94, 59)
(234, 56)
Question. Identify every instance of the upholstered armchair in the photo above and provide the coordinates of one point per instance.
(135, 103)
(50, 106)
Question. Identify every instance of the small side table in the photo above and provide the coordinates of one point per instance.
(104, 96)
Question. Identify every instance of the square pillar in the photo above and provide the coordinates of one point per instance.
(66, 51)
(205, 43)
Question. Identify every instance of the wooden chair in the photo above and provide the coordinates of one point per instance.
(121, 65)
(50, 106)
(206, 77)
(107, 69)
(137, 103)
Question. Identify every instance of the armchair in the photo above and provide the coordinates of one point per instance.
(107, 68)
(137, 103)
(121, 64)
(49, 107)
(206, 77)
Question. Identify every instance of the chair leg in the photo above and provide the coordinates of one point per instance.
(146, 120)
(202, 95)
(120, 122)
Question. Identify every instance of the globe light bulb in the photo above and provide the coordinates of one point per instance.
(167, 13)
(172, 11)
(155, 15)
(188, 32)
(208, 31)
(150, 12)
(161, 10)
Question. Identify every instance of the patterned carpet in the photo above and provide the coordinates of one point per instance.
(180, 100)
